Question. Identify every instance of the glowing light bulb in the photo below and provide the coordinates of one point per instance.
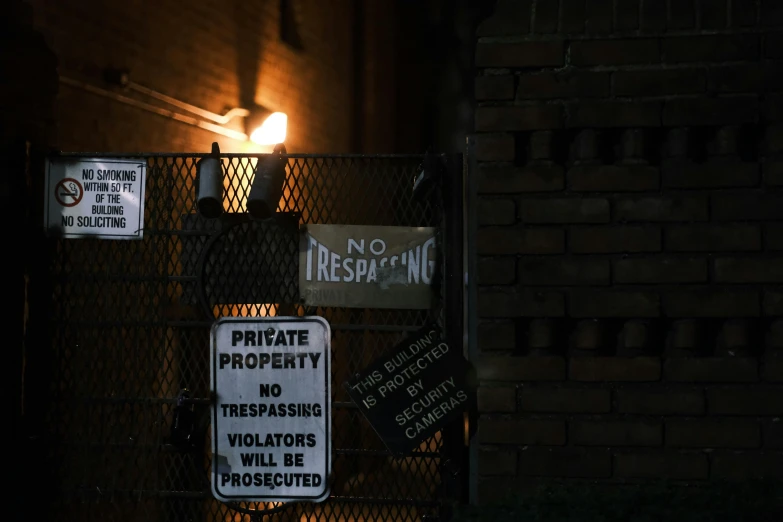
(272, 131)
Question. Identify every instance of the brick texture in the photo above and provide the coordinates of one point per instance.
(683, 15)
(773, 173)
(570, 210)
(614, 369)
(563, 271)
(756, 206)
(611, 303)
(613, 178)
(735, 78)
(496, 335)
(773, 236)
(668, 208)
(510, 17)
(564, 400)
(519, 118)
(749, 270)
(509, 180)
(712, 237)
(772, 368)
(711, 175)
(660, 270)
(748, 466)
(642, 149)
(711, 302)
(659, 82)
(495, 461)
(709, 48)
(528, 240)
(711, 433)
(495, 147)
(521, 369)
(563, 85)
(659, 465)
(710, 111)
(614, 114)
(497, 270)
(743, 401)
(615, 433)
(711, 369)
(525, 54)
(516, 303)
(494, 87)
(565, 462)
(497, 212)
(773, 302)
(615, 52)
(521, 431)
(660, 401)
(199, 66)
(773, 434)
(615, 239)
(496, 399)
(627, 15)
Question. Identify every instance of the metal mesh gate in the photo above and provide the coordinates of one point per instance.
(126, 336)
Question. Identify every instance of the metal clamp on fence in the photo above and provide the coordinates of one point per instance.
(430, 172)
(188, 424)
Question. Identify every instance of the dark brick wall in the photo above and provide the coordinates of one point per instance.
(630, 271)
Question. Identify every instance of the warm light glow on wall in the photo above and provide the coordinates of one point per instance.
(245, 310)
(272, 131)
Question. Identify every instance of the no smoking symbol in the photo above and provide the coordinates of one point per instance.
(68, 192)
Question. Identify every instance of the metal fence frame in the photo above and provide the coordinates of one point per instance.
(45, 307)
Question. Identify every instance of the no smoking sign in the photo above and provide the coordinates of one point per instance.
(68, 192)
(94, 197)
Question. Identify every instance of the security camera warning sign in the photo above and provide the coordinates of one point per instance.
(271, 421)
(411, 393)
(101, 198)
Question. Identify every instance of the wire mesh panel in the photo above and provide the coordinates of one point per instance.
(129, 326)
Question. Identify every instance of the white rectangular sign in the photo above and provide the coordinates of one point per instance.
(271, 415)
(367, 266)
(93, 197)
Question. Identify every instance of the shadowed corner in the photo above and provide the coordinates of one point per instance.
(289, 26)
(54, 232)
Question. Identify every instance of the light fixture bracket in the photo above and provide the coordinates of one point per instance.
(257, 115)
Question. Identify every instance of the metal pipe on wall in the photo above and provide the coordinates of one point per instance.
(220, 119)
(182, 118)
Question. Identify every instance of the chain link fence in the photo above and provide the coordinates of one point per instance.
(128, 393)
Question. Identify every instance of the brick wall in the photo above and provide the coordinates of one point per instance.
(215, 56)
(630, 247)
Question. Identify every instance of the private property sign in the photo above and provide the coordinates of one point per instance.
(271, 415)
(101, 198)
(367, 266)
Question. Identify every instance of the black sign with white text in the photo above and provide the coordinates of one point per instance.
(412, 393)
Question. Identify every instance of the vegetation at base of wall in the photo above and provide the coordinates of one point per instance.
(758, 501)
